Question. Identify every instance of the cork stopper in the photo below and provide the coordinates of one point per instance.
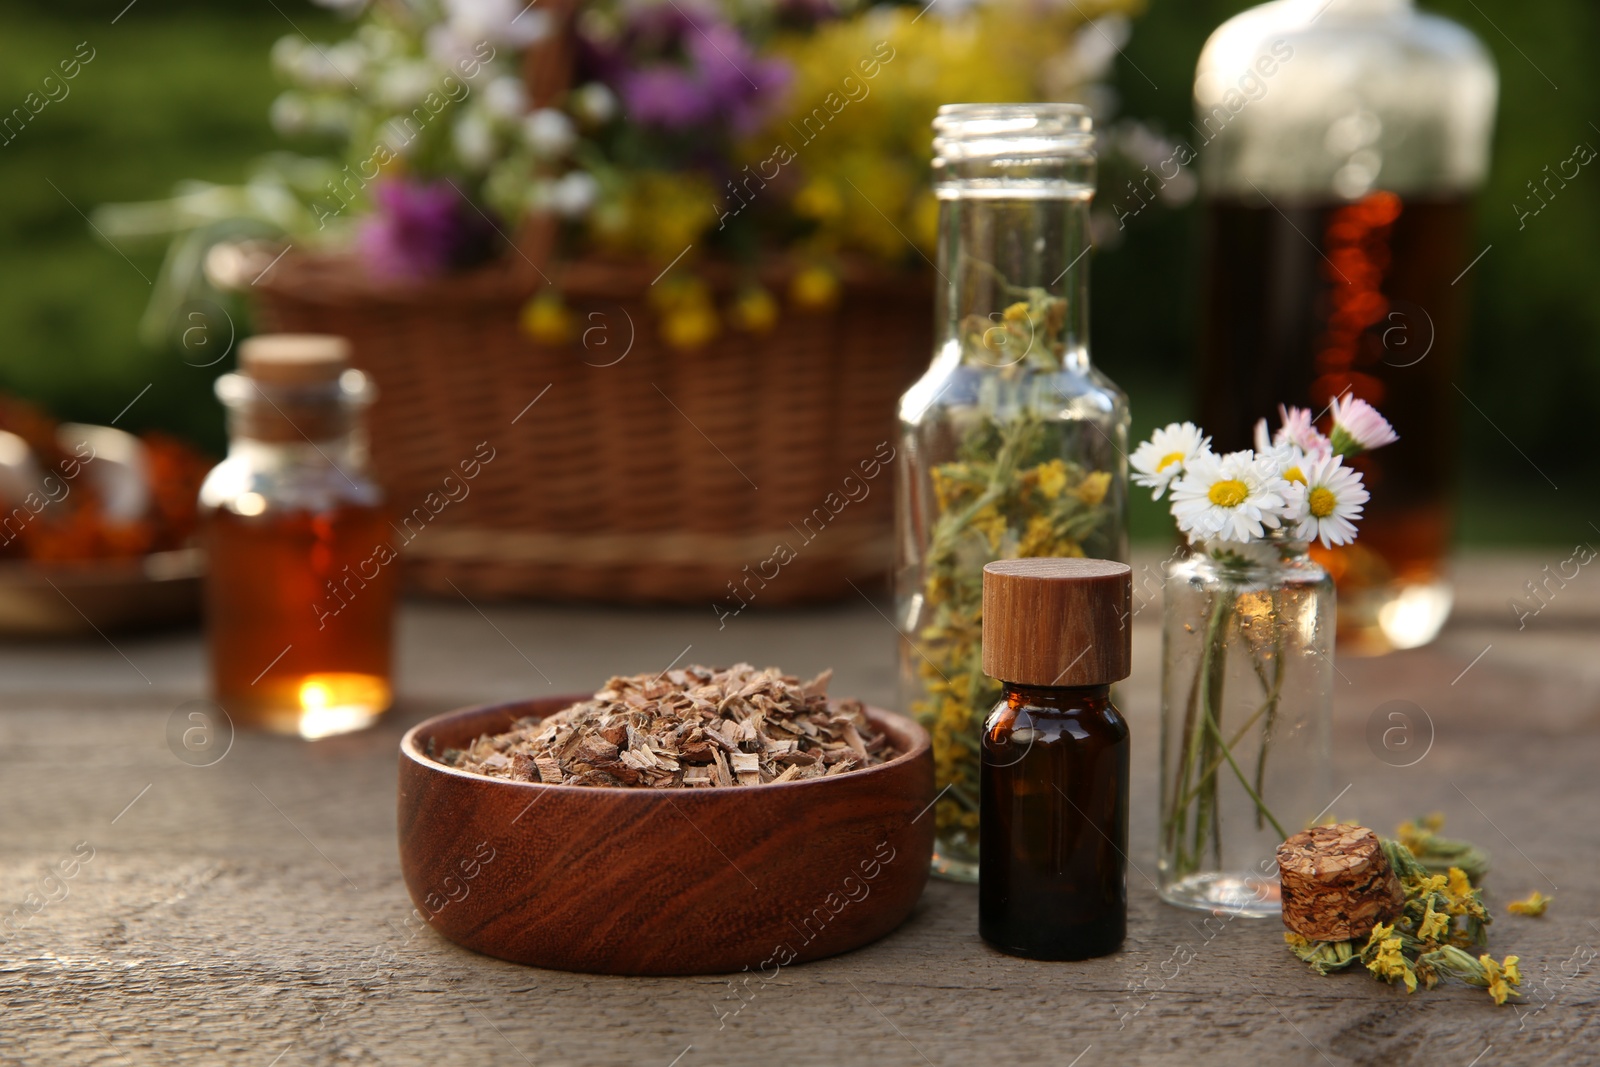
(1337, 883)
(1057, 622)
(294, 358)
(293, 387)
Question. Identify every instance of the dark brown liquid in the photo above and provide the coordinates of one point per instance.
(299, 616)
(1305, 302)
(1052, 881)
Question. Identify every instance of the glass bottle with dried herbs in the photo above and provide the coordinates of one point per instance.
(1013, 444)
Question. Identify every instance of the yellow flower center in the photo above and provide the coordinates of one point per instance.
(1295, 474)
(1229, 494)
(1168, 460)
(1322, 502)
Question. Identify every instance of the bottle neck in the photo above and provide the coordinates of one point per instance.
(326, 416)
(1014, 185)
(347, 452)
(1091, 697)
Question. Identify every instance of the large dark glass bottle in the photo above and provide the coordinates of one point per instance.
(1341, 143)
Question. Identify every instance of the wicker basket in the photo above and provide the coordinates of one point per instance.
(659, 476)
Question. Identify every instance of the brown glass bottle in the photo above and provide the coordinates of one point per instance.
(1054, 798)
(1053, 793)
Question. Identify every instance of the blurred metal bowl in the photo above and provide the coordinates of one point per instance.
(77, 599)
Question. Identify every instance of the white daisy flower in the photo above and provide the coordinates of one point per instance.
(549, 133)
(574, 194)
(1162, 458)
(506, 97)
(1236, 497)
(474, 140)
(1358, 428)
(594, 103)
(1288, 461)
(1327, 504)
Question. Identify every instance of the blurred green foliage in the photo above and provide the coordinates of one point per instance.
(180, 90)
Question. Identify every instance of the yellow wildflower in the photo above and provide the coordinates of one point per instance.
(1052, 476)
(1389, 964)
(1533, 905)
(1380, 933)
(1435, 926)
(1017, 313)
(814, 287)
(1037, 538)
(1092, 490)
(1501, 976)
(991, 524)
(819, 199)
(690, 325)
(1462, 895)
(1292, 938)
(546, 319)
(755, 310)
(1433, 883)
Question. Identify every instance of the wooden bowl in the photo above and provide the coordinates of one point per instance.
(661, 881)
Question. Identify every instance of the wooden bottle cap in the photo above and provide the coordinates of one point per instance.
(294, 358)
(1057, 622)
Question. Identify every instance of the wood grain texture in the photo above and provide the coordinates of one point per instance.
(1057, 622)
(662, 881)
(254, 911)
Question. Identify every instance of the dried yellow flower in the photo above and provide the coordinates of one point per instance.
(1391, 965)
(1435, 926)
(1051, 478)
(546, 320)
(1532, 905)
(1501, 977)
(1092, 490)
(755, 310)
(991, 524)
(689, 326)
(814, 287)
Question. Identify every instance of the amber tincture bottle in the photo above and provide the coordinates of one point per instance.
(1053, 839)
(302, 575)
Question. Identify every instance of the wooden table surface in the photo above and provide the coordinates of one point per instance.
(252, 912)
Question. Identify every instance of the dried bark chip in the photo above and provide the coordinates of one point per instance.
(693, 727)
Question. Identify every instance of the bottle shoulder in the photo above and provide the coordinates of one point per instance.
(1076, 721)
(251, 484)
(1320, 29)
(1065, 395)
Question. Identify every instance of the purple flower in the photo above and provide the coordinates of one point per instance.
(677, 69)
(422, 230)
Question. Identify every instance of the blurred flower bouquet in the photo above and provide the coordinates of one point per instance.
(680, 133)
(1248, 641)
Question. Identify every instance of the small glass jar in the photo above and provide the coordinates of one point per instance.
(1013, 444)
(1246, 696)
(302, 575)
